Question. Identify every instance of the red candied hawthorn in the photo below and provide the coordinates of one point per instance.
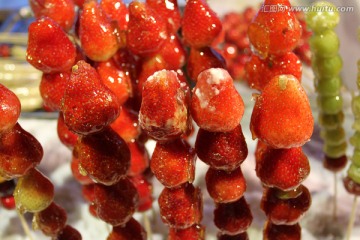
(8, 202)
(61, 11)
(274, 32)
(67, 137)
(126, 124)
(52, 88)
(281, 210)
(216, 106)
(68, 233)
(49, 48)
(50, 220)
(131, 230)
(225, 187)
(139, 158)
(282, 116)
(103, 156)
(282, 168)
(10, 108)
(144, 189)
(240, 236)
(117, 203)
(173, 163)
(282, 232)
(88, 106)
(195, 232)
(221, 150)
(96, 32)
(169, 11)
(147, 31)
(200, 24)
(164, 111)
(77, 174)
(117, 11)
(19, 152)
(233, 218)
(181, 207)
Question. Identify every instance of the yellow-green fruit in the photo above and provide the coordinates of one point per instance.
(323, 15)
(356, 158)
(331, 121)
(335, 151)
(334, 136)
(33, 192)
(355, 140)
(354, 173)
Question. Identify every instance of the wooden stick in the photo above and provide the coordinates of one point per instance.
(352, 219)
(335, 197)
(25, 226)
(147, 226)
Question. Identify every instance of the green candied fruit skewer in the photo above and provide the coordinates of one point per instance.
(334, 136)
(330, 105)
(356, 157)
(328, 86)
(331, 121)
(355, 140)
(354, 173)
(319, 20)
(325, 45)
(328, 67)
(355, 106)
(335, 151)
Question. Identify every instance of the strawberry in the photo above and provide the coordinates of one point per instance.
(88, 105)
(221, 150)
(78, 173)
(19, 152)
(10, 108)
(282, 232)
(195, 232)
(51, 220)
(200, 24)
(164, 111)
(169, 11)
(103, 156)
(282, 168)
(282, 116)
(126, 125)
(67, 137)
(240, 236)
(116, 11)
(49, 48)
(146, 30)
(132, 229)
(61, 11)
(96, 32)
(173, 53)
(52, 89)
(116, 79)
(139, 158)
(216, 106)
(144, 189)
(202, 59)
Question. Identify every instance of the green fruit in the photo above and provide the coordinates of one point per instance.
(331, 121)
(330, 105)
(355, 140)
(328, 86)
(322, 15)
(327, 67)
(354, 173)
(334, 136)
(356, 157)
(335, 151)
(325, 45)
(355, 106)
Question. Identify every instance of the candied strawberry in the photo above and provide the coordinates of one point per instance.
(216, 106)
(241, 236)
(116, 79)
(96, 32)
(50, 220)
(139, 158)
(131, 230)
(221, 150)
(202, 59)
(274, 32)
(78, 173)
(224, 186)
(146, 30)
(169, 11)
(164, 111)
(282, 116)
(116, 11)
(49, 48)
(261, 148)
(19, 152)
(88, 105)
(281, 232)
(200, 24)
(173, 53)
(52, 88)
(10, 108)
(144, 189)
(117, 203)
(285, 211)
(87, 191)
(67, 233)
(61, 11)
(173, 163)
(233, 218)
(195, 232)
(67, 137)
(126, 125)
(260, 71)
(103, 156)
(181, 207)
(283, 168)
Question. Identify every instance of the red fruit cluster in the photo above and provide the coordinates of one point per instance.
(281, 119)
